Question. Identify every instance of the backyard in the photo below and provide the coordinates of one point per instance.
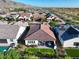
(28, 53)
(41, 52)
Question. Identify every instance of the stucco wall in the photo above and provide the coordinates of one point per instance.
(21, 30)
(70, 42)
(14, 41)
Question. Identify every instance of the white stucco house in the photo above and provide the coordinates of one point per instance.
(26, 16)
(68, 35)
(9, 35)
(14, 14)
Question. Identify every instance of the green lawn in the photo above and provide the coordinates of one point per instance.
(73, 52)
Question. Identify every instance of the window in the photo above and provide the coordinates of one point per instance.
(31, 41)
(3, 40)
(76, 44)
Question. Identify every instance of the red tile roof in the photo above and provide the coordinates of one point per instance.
(46, 29)
(40, 32)
(25, 14)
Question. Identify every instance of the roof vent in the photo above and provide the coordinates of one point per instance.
(62, 27)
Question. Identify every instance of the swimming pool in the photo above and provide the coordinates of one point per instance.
(3, 48)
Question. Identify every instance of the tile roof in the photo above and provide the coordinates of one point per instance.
(40, 32)
(33, 28)
(25, 14)
(8, 31)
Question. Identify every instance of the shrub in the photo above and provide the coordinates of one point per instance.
(1, 18)
(19, 9)
(40, 52)
(53, 23)
(1, 56)
(14, 54)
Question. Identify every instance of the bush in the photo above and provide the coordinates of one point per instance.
(19, 9)
(76, 18)
(13, 54)
(1, 18)
(47, 52)
(1, 56)
(53, 23)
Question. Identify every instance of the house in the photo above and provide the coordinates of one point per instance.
(26, 16)
(21, 23)
(9, 35)
(3, 15)
(38, 17)
(68, 35)
(51, 18)
(14, 14)
(8, 18)
(40, 35)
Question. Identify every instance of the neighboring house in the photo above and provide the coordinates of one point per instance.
(14, 14)
(51, 18)
(40, 35)
(68, 35)
(3, 15)
(8, 18)
(26, 16)
(9, 35)
(38, 17)
(21, 23)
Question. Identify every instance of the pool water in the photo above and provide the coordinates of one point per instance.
(3, 48)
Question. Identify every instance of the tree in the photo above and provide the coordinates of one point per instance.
(19, 9)
(53, 23)
(1, 18)
(8, 56)
(14, 54)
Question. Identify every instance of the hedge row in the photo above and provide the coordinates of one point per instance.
(45, 52)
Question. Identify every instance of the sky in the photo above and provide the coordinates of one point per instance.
(51, 3)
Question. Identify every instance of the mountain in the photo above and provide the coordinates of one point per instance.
(12, 4)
